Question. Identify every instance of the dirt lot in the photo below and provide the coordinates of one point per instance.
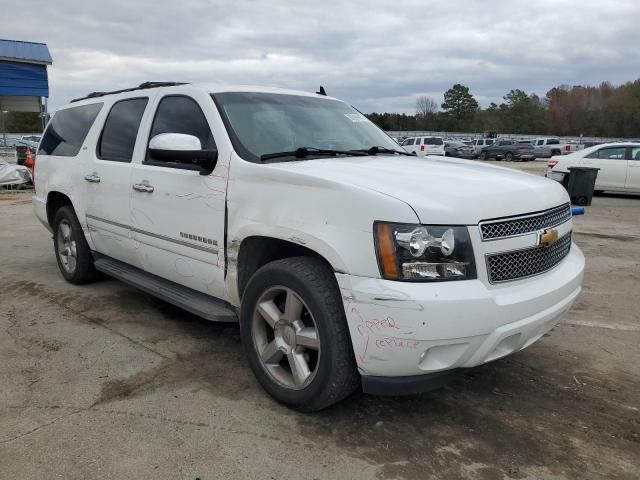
(103, 381)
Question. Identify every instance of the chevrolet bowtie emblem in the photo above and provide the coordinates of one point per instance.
(548, 237)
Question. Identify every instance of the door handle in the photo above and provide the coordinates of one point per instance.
(142, 187)
(93, 178)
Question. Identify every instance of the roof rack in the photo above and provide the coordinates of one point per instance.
(142, 86)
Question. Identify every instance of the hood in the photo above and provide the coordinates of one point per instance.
(440, 190)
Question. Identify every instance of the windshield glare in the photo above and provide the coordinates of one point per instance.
(263, 123)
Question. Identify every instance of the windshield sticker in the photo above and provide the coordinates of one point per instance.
(355, 117)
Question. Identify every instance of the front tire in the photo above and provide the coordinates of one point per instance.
(294, 332)
(72, 251)
(508, 157)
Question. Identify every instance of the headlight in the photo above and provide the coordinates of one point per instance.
(423, 253)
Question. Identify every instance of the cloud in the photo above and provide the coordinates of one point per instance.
(377, 55)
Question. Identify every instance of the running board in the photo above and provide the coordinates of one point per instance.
(186, 298)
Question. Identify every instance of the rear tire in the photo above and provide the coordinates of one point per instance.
(484, 156)
(72, 251)
(295, 335)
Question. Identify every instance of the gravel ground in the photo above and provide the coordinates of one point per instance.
(103, 381)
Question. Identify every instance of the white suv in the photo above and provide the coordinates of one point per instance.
(346, 260)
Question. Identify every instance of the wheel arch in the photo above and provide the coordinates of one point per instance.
(255, 251)
(55, 201)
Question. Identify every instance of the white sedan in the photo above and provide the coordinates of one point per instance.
(619, 165)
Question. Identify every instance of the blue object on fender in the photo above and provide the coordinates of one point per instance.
(577, 211)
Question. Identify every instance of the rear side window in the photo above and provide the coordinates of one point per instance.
(121, 130)
(489, 142)
(68, 129)
(418, 141)
(553, 141)
(433, 141)
(410, 141)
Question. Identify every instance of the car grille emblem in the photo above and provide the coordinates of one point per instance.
(548, 237)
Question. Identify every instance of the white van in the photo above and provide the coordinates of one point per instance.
(346, 260)
(422, 146)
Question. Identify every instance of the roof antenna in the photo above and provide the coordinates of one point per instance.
(322, 92)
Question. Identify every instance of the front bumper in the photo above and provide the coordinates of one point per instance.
(401, 329)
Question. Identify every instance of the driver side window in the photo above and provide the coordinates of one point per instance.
(180, 114)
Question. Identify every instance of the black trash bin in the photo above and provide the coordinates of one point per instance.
(582, 181)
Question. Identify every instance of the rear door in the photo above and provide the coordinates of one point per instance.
(107, 180)
(419, 147)
(612, 162)
(632, 183)
(179, 215)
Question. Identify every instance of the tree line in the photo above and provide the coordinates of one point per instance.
(602, 111)
(22, 122)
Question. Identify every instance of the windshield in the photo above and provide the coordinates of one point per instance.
(265, 123)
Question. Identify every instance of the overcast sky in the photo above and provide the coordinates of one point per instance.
(377, 55)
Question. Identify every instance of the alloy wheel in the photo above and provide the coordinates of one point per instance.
(286, 338)
(66, 246)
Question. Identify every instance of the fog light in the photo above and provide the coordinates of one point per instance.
(424, 270)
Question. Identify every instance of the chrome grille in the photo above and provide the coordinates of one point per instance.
(527, 262)
(511, 227)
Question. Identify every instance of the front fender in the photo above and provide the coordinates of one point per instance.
(332, 218)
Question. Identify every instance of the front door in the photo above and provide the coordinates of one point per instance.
(108, 180)
(612, 162)
(632, 183)
(178, 215)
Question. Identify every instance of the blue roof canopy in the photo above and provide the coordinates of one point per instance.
(23, 69)
(23, 79)
(30, 52)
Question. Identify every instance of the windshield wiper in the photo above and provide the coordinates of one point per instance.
(376, 149)
(303, 152)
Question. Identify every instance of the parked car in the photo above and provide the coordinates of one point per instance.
(619, 165)
(480, 143)
(458, 149)
(508, 150)
(422, 146)
(31, 138)
(547, 147)
(346, 260)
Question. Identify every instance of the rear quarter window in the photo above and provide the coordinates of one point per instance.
(68, 129)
